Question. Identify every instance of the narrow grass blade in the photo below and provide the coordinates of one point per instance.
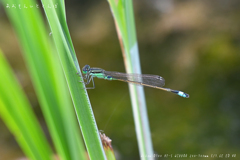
(48, 78)
(79, 95)
(16, 112)
(122, 11)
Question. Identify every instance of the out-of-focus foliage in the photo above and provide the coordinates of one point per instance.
(194, 45)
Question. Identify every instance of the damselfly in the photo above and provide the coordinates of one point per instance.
(148, 80)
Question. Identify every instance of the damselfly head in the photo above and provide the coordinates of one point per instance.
(86, 69)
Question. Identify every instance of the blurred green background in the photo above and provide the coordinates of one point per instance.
(194, 45)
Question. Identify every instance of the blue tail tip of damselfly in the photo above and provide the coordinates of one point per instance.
(180, 93)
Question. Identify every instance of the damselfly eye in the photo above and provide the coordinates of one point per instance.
(86, 68)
